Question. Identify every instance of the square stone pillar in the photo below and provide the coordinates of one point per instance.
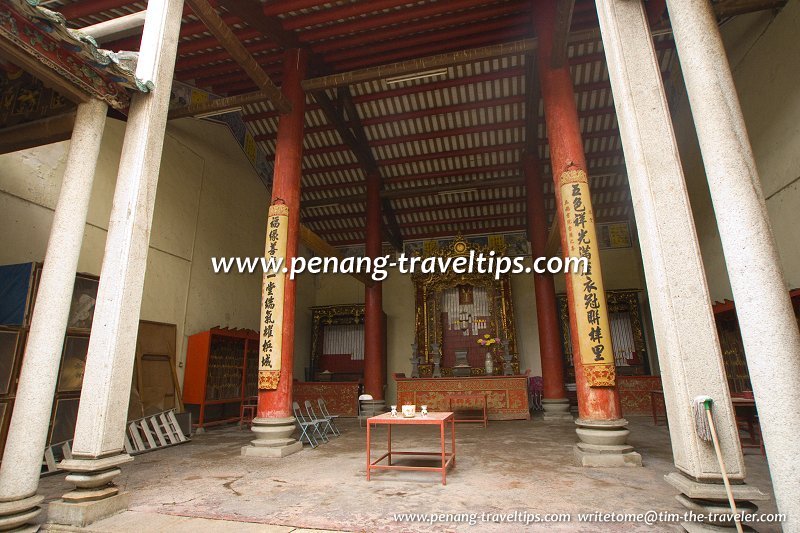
(685, 332)
(97, 449)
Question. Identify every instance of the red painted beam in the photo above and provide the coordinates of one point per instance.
(443, 110)
(472, 171)
(442, 35)
(341, 13)
(313, 171)
(77, 10)
(520, 214)
(385, 20)
(451, 154)
(452, 132)
(416, 25)
(208, 58)
(513, 33)
(188, 29)
(265, 115)
(441, 84)
(277, 7)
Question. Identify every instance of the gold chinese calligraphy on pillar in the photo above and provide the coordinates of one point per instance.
(588, 296)
(272, 289)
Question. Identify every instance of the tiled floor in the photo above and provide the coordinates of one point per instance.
(523, 466)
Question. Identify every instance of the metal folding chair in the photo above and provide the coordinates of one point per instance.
(322, 421)
(323, 408)
(307, 427)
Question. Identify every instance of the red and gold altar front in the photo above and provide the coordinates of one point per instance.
(506, 396)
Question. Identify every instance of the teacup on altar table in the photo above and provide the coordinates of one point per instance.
(409, 411)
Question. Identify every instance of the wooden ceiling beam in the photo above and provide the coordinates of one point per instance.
(421, 234)
(218, 105)
(322, 248)
(731, 8)
(478, 183)
(15, 54)
(37, 133)
(343, 115)
(563, 22)
(223, 33)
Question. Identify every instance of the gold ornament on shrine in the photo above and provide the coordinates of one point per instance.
(588, 294)
(272, 290)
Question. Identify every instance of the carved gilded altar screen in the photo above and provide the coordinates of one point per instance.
(327, 317)
(454, 310)
(630, 348)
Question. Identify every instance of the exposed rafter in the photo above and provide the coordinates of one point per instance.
(231, 43)
(321, 247)
(564, 10)
(342, 113)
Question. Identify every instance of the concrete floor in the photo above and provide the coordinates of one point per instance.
(206, 485)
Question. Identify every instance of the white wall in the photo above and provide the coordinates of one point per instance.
(209, 202)
(764, 54)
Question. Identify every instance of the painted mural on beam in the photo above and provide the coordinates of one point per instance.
(43, 35)
(609, 235)
(183, 95)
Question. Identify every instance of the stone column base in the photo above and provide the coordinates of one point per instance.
(95, 496)
(711, 498)
(604, 444)
(80, 514)
(556, 409)
(273, 438)
(373, 407)
(17, 514)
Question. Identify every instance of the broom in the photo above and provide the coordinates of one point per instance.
(704, 425)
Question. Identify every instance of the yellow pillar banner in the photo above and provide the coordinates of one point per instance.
(272, 289)
(588, 295)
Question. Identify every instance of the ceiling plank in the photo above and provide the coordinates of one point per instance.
(228, 40)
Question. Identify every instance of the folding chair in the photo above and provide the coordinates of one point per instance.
(307, 427)
(331, 418)
(324, 422)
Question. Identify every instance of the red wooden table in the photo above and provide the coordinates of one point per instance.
(658, 405)
(441, 419)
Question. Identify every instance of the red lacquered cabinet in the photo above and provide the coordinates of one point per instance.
(221, 373)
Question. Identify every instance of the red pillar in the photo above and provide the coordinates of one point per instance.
(546, 308)
(374, 366)
(286, 186)
(566, 154)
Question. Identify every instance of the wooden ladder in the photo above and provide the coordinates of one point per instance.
(143, 435)
(153, 432)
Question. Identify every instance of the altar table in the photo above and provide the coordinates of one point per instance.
(341, 398)
(441, 419)
(470, 400)
(506, 396)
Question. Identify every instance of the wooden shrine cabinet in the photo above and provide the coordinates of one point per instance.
(221, 373)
